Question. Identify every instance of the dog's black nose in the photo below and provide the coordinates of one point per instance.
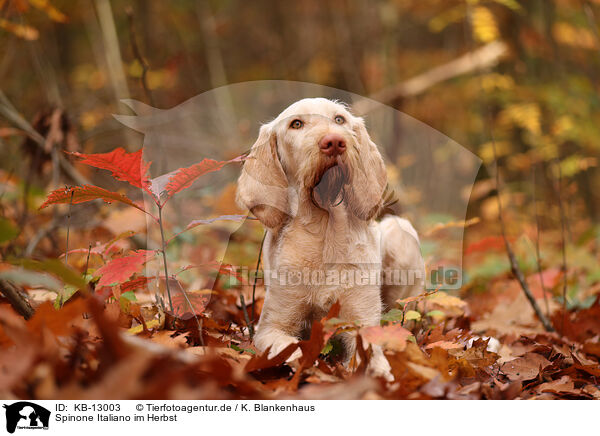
(332, 144)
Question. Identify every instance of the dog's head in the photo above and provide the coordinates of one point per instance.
(318, 149)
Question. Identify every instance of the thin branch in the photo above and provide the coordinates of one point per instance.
(69, 228)
(246, 318)
(16, 299)
(87, 260)
(514, 266)
(563, 248)
(538, 257)
(473, 61)
(138, 56)
(164, 254)
(198, 321)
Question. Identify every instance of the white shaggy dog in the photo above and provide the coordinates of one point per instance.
(315, 179)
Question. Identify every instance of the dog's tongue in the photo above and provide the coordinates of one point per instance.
(330, 186)
(342, 165)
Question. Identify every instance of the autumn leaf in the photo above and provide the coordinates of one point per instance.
(445, 345)
(392, 336)
(184, 178)
(449, 303)
(412, 315)
(124, 166)
(121, 269)
(525, 368)
(82, 194)
(489, 243)
(137, 283)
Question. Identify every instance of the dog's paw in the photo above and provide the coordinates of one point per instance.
(282, 345)
(380, 367)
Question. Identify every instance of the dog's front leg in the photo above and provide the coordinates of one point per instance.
(280, 323)
(364, 305)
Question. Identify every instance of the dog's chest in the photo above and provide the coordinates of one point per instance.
(317, 263)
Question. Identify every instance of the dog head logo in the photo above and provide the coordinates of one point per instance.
(26, 415)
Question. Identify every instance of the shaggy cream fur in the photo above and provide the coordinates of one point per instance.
(323, 244)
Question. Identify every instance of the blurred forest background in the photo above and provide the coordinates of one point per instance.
(515, 81)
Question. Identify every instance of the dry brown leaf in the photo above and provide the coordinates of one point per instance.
(525, 368)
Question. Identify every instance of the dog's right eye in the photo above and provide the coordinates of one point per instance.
(296, 124)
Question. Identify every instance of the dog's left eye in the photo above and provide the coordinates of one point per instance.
(340, 119)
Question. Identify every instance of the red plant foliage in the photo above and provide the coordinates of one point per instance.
(81, 194)
(184, 178)
(124, 166)
(121, 269)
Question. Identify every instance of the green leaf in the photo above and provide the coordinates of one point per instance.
(394, 315)
(67, 292)
(129, 295)
(327, 348)
(412, 315)
(8, 231)
(31, 279)
(240, 349)
(435, 314)
(126, 299)
(53, 266)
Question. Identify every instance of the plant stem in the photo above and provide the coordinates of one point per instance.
(164, 254)
(514, 265)
(538, 257)
(198, 321)
(245, 312)
(69, 227)
(563, 244)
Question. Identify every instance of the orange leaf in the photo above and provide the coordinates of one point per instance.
(128, 167)
(445, 345)
(391, 336)
(81, 194)
(120, 269)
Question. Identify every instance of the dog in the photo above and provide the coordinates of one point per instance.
(315, 180)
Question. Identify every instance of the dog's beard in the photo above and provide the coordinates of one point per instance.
(330, 177)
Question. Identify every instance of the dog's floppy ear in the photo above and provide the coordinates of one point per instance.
(368, 177)
(262, 186)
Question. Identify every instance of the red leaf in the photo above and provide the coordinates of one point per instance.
(81, 194)
(196, 299)
(120, 269)
(184, 178)
(128, 167)
(489, 243)
(136, 283)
